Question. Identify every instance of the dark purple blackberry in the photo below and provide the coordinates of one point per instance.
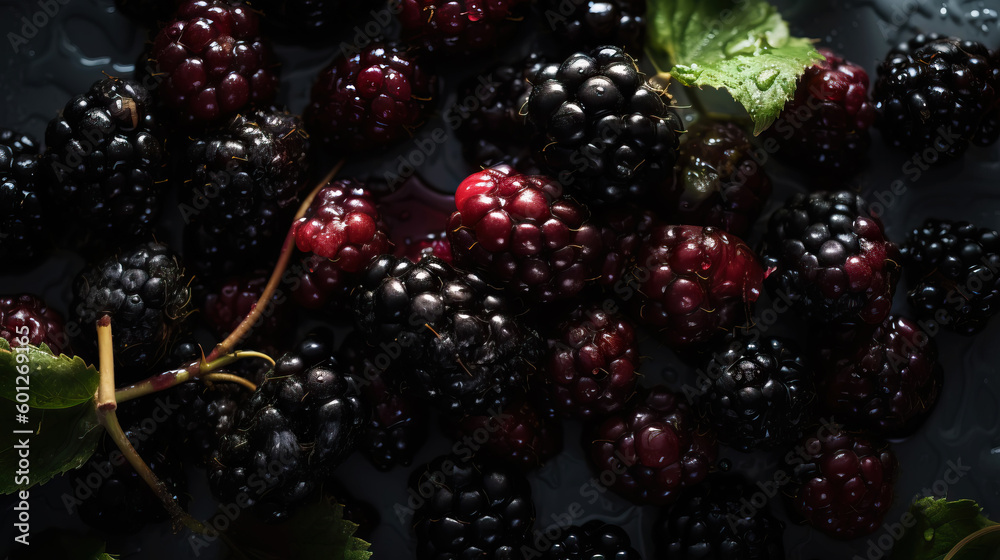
(718, 520)
(827, 253)
(367, 100)
(44, 324)
(321, 283)
(464, 508)
(595, 540)
(491, 126)
(459, 27)
(22, 217)
(105, 162)
(757, 393)
(518, 435)
(600, 129)
(205, 415)
(586, 24)
(146, 294)
(655, 447)
(225, 308)
(934, 93)
(241, 190)
(304, 419)
(464, 348)
(720, 184)
(623, 229)
(953, 268)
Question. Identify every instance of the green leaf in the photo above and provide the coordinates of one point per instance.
(53, 381)
(743, 46)
(936, 526)
(316, 532)
(984, 544)
(60, 440)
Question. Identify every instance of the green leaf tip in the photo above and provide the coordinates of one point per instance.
(935, 526)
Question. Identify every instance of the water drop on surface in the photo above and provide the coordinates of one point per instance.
(929, 535)
(766, 79)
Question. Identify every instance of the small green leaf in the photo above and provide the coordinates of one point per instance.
(936, 526)
(60, 440)
(743, 46)
(52, 381)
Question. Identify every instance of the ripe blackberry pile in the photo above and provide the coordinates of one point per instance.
(587, 266)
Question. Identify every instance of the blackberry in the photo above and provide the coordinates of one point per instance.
(522, 233)
(842, 483)
(105, 162)
(205, 415)
(321, 283)
(243, 183)
(595, 540)
(721, 184)
(654, 445)
(717, 519)
(459, 26)
(825, 126)
(592, 361)
(623, 229)
(466, 352)
(303, 420)
(146, 294)
(600, 129)
(758, 393)
(593, 23)
(494, 131)
(367, 100)
(212, 62)
(518, 435)
(934, 93)
(953, 268)
(884, 380)
(225, 308)
(691, 283)
(22, 217)
(44, 324)
(827, 253)
(470, 509)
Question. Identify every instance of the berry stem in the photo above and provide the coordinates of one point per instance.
(171, 378)
(228, 377)
(244, 327)
(106, 383)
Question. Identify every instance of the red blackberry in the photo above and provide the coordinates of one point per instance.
(243, 183)
(842, 483)
(459, 26)
(718, 519)
(318, 282)
(494, 131)
(654, 446)
(600, 129)
(146, 294)
(521, 232)
(518, 435)
(953, 266)
(884, 382)
(212, 61)
(757, 393)
(692, 283)
(828, 254)
(464, 348)
(469, 509)
(592, 361)
(825, 126)
(595, 540)
(722, 185)
(594, 23)
(366, 100)
(22, 218)
(934, 93)
(226, 307)
(105, 162)
(44, 324)
(342, 224)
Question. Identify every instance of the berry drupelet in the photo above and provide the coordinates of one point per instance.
(522, 233)
(593, 23)
(213, 62)
(953, 269)
(655, 445)
(600, 129)
(594, 540)
(827, 253)
(935, 93)
(366, 100)
(518, 435)
(204, 416)
(22, 214)
(720, 184)
(44, 324)
(105, 162)
(758, 393)
(825, 126)
(471, 509)
(458, 27)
